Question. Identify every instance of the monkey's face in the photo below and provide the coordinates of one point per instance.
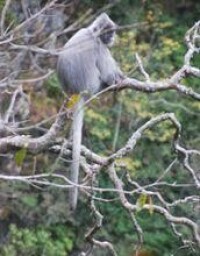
(108, 37)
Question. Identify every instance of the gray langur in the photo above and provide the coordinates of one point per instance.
(85, 66)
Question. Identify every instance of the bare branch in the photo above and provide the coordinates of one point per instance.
(161, 210)
(31, 18)
(146, 75)
(131, 143)
(3, 16)
(36, 144)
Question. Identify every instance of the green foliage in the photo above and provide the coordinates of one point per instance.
(102, 131)
(20, 156)
(38, 241)
(10, 16)
(29, 200)
(2, 3)
(53, 87)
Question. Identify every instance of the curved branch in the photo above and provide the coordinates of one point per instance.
(36, 145)
(131, 143)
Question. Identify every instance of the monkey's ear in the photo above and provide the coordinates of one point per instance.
(102, 22)
(104, 15)
(98, 24)
(106, 21)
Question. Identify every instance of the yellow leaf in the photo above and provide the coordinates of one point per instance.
(131, 164)
(141, 201)
(73, 100)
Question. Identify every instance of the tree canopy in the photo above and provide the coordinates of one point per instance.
(140, 178)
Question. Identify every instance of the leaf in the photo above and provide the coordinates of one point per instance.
(30, 201)
(73, 100)
(131, 164)
(20, 156)
(141, 201)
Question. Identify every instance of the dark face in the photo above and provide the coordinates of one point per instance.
(107, 36)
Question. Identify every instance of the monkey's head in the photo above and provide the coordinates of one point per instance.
(104, 28)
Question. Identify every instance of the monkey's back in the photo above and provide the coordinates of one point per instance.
(76, 67)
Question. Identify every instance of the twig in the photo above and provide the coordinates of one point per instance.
(3, 16)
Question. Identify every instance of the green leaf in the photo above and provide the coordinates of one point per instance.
(20, 156)
(30, 201)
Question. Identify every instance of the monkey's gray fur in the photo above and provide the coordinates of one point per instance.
(86, 65)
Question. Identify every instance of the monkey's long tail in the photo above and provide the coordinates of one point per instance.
(76, 149)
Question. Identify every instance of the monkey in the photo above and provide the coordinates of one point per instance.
(85, 67)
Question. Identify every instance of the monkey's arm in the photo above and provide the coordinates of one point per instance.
(108, 68)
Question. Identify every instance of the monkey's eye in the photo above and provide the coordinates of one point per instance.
(108, 32)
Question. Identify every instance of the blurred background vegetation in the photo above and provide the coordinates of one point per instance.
(36, 221)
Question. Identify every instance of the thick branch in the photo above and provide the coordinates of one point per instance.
(35, 145)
